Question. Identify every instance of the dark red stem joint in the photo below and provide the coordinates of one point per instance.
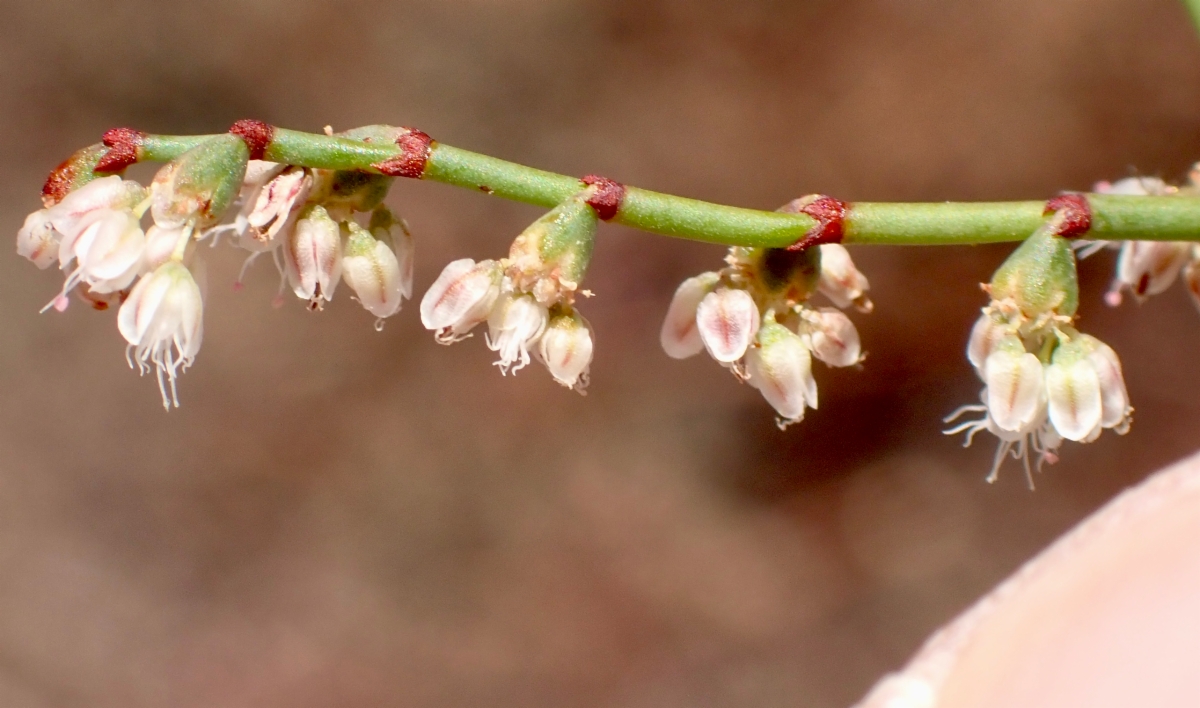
(415, 150)
(1074, 214)
(606, 198)
(256, 134)
(830, 215)
(123, 145)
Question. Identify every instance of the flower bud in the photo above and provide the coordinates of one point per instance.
(200, 184)
(1040, 276)
(680, 338)
(514, 325)
(1015, 394)
(1114, 398)
(1073, 388)
(727, 320)
(388, 228)
(372, 271)
(780, 367)
(313, 256)
(271, 210)
(164, 310)
(841, 281)
(1149, 267)
(833, 337)
(566, 349)
(38, 240)
(460, 298)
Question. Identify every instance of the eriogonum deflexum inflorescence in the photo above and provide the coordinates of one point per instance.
(754, 317)
(315, 204)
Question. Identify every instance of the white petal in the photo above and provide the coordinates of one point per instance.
(38, 240)
(462, 295)
(375, 279)
(566, 349)
(727, 320)
(1015, 395)
(834, 338)
(1114, 398)
(986, 333)
(313, 256)
(1076, 406)
(781, 369)
(515, 324)
(680, 338)
(840, 280)
(1149, 267)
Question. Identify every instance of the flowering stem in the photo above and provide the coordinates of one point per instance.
(1160, 218)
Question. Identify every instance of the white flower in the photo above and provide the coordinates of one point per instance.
(987, 332)
(841, 281)
(566, 349)
(514, 325)
(107, 250)
(727, 320)
(460, 298)
(161, 243)
(373, 271)
(1148, 268)
(1114, 398)
(162, 320)
(271, 210)
(1073, 387)
(1016, 397)
(38, 240)
(833, 337)
(780, 367)
(680, 338)
(313, 256)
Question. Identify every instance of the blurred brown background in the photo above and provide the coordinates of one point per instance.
(339, 517)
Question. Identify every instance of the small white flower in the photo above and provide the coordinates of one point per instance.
(514, 325)
(162, 320)
(680, 338)
(1148, 268)
(161, 243)
(269, 219)
(393, 231)
(460, 298)
(566, 349)
(780, 367)
(107, 250)
(841, 281)
(1073, 387)
(313, 256)
(1114, 398)
(372, 270)
(985, 335)
(1016, 397)
(38, 240)
(833, 337)
(727, 320)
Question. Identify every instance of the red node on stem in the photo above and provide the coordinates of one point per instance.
(830, 214)
(256, 134)
(1074, 214)
(606, 200)
(122, 144)
(58, 184)
(416, 147)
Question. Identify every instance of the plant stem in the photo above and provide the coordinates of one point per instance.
(940, 223)
(1193, 7)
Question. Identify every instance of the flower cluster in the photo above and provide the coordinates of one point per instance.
(1044, 381)
(753, 317)
(1146, 268)
(526, 299)
(302, 217)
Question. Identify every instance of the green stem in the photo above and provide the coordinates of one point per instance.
(941, 223)
(1193, 7)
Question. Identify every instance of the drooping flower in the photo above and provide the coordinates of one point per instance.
(373, 271)
(460, 298)
(514, 326)
(566, 350)
(780, 367)
(162, 320)
(312, 256)
(106, 250)
(841, 281)
(680, 337)
(832, 337)
(1147, 268)
(727, 320)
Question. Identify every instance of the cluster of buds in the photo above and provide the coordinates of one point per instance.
(1044, 381)
(754, 317)
(526, 299)
(303, 217)
(1146, 268)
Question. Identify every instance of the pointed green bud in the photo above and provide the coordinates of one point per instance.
(1040, 276)
(199, 185)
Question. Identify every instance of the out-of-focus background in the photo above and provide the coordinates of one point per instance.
(344, 517)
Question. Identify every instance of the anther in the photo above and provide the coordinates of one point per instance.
(607, 198)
